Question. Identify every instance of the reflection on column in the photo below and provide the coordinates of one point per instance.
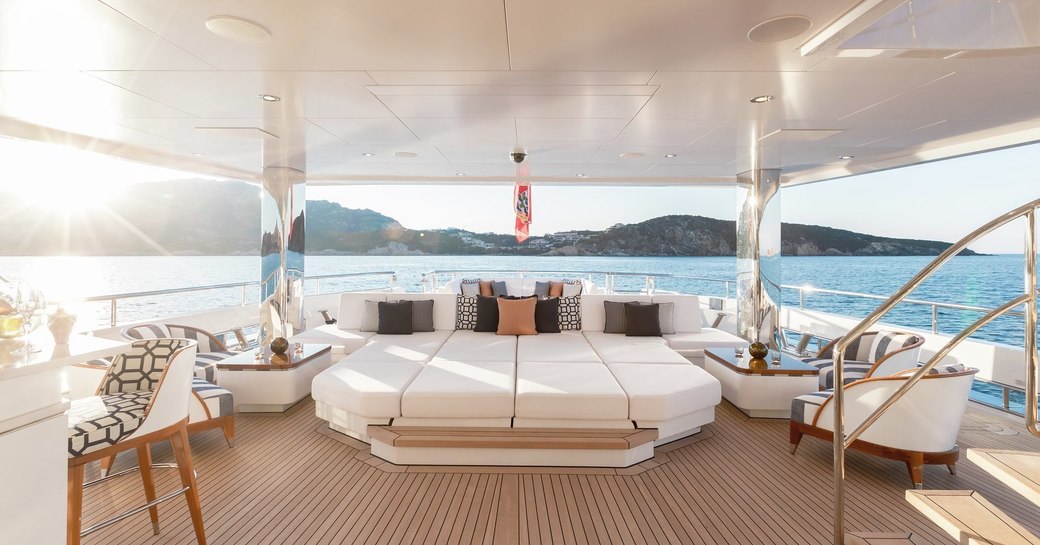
(758, 254)
(281, 252)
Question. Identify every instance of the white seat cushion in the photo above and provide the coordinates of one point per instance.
(474, 346)
(568, 391)
(351, 312)
(371, 389)
(686, 312)
(617, 348)
(417, 347)
(663, 392)
(455, 389)
(443, 307)
(563, 347)
(707, 338)
(343, 341)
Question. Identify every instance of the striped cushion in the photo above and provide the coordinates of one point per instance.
(946, 369)
(804, 407)
(422, 315)
(614, 317)
(217, 400)
(206, 364)
(887, 342)
(99, 422)
(170, 331)
(854, 370)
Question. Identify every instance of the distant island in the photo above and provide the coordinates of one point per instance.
(207, 218)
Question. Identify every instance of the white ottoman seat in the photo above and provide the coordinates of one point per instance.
(675, 399)
(417, 347)
(365, 388)
(568, 392)
(563, 347)
(617, 348)
(462, 390)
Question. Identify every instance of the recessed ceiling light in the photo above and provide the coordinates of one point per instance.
(237, 29)
(405, 154)
(845, 157)
(761, 99)
(670, 155)
(460, 173)
(580, 174)
(368, 154)
(779, 29)
(269, 98)
(199, 154)
(631, 155)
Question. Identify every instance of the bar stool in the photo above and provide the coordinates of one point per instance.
(143, 399)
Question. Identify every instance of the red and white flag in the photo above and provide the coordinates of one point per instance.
(522, 204)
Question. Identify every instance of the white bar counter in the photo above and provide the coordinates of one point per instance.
(34, 435)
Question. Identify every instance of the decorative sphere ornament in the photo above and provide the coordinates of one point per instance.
(280, 345)
(758, 350)
(757, 364)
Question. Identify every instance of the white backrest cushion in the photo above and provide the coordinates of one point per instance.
(443, 307)
(352, 308)
(592, 313)
(514, 286)
(686, 317)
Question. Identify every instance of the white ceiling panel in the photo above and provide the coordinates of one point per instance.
(82, 35)
(358, 154)
(693, 172)
(667, 132)
(539, 131)
(439, 129)
(512, 90)
(511, 77)
(377, 132)
(316, 169)
(514, 106)
(337, 34)
(536, 155)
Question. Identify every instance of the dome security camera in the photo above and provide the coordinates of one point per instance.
(518, 156)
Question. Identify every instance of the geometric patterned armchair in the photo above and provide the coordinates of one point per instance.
(211, 349)
(874, 354)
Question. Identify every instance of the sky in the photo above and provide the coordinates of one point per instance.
(942, 200)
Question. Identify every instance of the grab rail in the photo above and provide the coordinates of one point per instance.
(431, 279)
(841, 442)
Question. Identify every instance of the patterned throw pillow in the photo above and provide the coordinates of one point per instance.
(570, 313)
(572, 287)
(465, 312)
(470, 287)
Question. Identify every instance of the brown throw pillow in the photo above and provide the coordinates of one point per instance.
(485, 288)
(555, 289)
(642, 320)
(516, 316)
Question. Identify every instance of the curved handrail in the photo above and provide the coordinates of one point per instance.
(839, 444)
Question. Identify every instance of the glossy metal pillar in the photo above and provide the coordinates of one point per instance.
(758, 254)
(281, 252)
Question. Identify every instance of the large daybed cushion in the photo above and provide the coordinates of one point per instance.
(569, 395)
(563, 347)
(464, 345)
(471, 392)
(675, 399)
(692, 345)
(370, 389)
(417, 347)
(615, 348)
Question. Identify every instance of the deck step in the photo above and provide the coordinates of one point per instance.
(872, 538)
(582, 447)
(1018, 469)
(969, 517)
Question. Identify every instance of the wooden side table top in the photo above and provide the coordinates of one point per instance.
(789, 365)
(246, 361)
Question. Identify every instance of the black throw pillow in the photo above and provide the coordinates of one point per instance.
(395, 318)
(642, 320)
(487, 314)
(547, 315)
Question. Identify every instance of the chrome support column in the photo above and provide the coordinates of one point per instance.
(282, 203)
(1031, 409)
(758, 254)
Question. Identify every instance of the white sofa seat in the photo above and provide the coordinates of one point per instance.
(563, 347)
(371, 389)
(560, 394)
(659, 392)
(618, 348)
(471, 346)
(472, 392)
(692, 345)
(417, 347)
(343, 341)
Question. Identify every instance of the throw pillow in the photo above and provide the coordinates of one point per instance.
(547, 315)
(487, 314)
(555, 289)
(470, 287)
(516, 316)
(422, 315)
(485, 288)
(541, 290)
(571, 288)
(570, 313)
(643, 320)
(371, 320)
(395, 318)
(614, 317)
(667, 323)
(498, 288)
(465, 312)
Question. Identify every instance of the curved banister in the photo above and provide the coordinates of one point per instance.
(1027, 210)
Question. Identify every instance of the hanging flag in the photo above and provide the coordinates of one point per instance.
(522, 205)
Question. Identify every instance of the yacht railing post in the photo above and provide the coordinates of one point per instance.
(245, 295)
(112, 313)
(801, 298)
(393, 281)
(839, 443)
(1030, 326)
(935, 319)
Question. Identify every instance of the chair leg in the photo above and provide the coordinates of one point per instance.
(796, 437)
(106, 464)
(916, 467)
(75, 505)
(144, 461)
(182, 450)
(229, 430)
(952, 468)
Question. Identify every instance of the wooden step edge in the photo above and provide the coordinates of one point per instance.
(1023, 478)
(879, 538)
(555, 443)
(514, 438)
(970, 518)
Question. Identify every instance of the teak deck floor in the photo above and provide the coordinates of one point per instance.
(289, 480)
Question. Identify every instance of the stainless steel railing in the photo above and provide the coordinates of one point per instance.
(842, 441)
(115, 298)
(432, 279)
